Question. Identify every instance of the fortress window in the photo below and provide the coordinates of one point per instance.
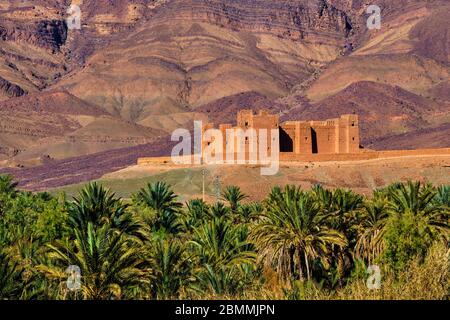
(353, 124)
(246, 123)
(353, 138)
(246, 138)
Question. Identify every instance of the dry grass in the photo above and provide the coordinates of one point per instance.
(427, 280)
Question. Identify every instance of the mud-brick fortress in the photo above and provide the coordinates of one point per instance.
(312, 141)
(299, 138)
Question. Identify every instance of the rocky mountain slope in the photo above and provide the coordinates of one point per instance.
(190, 53)
(138, 69)
(56, 124)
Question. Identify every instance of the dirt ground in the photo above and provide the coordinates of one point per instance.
(361, 176)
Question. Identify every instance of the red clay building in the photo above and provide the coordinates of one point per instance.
(332, 136)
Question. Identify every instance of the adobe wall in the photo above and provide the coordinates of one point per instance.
(262, 120)
(324, 137)
(245, 120)
(417, 152)
(289, 157)
(349, 134)
(368, 155)
(333, 136)
(289, 141)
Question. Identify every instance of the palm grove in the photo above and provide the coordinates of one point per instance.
(295, 244)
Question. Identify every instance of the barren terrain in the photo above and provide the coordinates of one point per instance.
(139, 69)
(361, 176)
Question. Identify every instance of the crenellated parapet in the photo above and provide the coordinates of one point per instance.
(331, 136)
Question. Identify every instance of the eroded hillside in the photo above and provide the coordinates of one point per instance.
(148, 67)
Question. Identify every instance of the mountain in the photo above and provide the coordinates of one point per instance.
(31, 35)
(384, 111)
(190, 53)
(138, 69)
(412, 50)
(59, 125)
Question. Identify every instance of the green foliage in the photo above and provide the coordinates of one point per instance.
(97, 206)
(197, 211)
(406, 238)
(219, 210)
(162, 209)
(371, 229)
(159, 197)
(10, 278)
(108, 261)
(221, 281)
(31, 215)
(295, 244)
(221, 243)
(442, 197)
(233, 195)
(293, 232)
(171, 269)
(7, 185)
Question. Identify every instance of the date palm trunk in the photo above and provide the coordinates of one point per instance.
(300, 268)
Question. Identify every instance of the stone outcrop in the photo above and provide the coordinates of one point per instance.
(50, 34)
(9, 89)
(296, 20)
(185, 54)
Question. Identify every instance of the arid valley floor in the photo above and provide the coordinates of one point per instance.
(361, 176)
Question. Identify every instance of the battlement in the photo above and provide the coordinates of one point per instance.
(331, 136)
(263, 119)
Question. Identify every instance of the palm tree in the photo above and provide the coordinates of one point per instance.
(244, 213)
(220, 281)
(11, 284)
(418, 200)
(220, 243)
(196, 212)
(218, 210)
(442, 197)
(293, 232)
(247, 213)
(160, 198)
(373, 219)
(257, 208)
(324, 197)
(109, 262)
(171, 269)
(7, 185)
(96, 205)
(233, 195)
(340, 206)
(104, 244)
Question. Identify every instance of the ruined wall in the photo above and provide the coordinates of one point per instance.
(352, 124)
(324, 136)
(262, 120)
(304, 139)
(206, 127)
(289, 138)
(368, 155)
(297, 138)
